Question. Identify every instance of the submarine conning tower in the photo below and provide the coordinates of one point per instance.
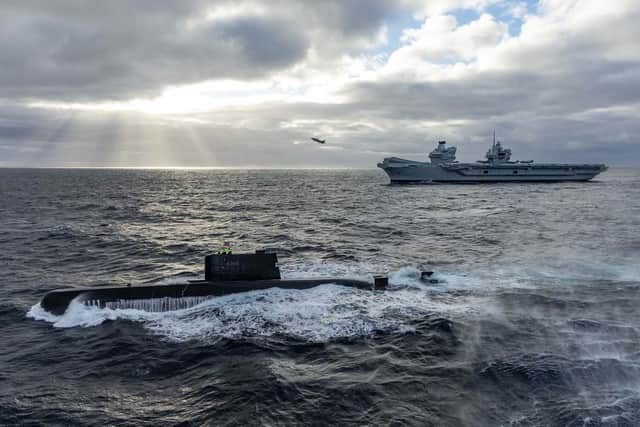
(230, 267)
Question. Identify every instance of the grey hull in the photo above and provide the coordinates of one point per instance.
(401, 171)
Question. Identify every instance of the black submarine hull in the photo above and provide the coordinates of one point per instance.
(224, 274)
(57, 301)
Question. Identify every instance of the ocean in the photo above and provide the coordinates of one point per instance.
(535, 320)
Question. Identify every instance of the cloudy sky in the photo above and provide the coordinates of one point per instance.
(247, 83)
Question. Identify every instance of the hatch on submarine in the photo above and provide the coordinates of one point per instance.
(224, 274)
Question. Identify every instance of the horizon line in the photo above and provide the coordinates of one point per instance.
(193, 167)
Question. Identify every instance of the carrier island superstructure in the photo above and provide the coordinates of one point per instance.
(497, 167)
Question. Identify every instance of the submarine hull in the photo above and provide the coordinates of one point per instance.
(166, 296)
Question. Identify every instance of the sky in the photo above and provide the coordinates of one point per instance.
(195, 83)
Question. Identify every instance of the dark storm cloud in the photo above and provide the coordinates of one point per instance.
(84, 51)
(124, 53)
(342, 19)
(560, 91)
(498, 93)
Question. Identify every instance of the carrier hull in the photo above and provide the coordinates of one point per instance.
(402, 171)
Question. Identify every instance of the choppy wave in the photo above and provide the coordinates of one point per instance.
(533, 320)
(317, 315)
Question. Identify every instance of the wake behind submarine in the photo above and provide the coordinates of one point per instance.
(224, 273)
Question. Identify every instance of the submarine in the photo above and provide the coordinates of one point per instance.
(224, 274)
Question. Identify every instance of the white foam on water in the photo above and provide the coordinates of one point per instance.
(80, 314)
(179, 280)
(38, 313)
(442, 281)
(447, 281)
(406, 276)
(479, 280)
(319, 314)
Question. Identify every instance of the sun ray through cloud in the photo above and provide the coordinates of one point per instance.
(241, 68)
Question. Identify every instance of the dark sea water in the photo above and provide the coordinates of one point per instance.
(536, 321)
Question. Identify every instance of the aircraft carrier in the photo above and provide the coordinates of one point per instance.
(498, 167)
